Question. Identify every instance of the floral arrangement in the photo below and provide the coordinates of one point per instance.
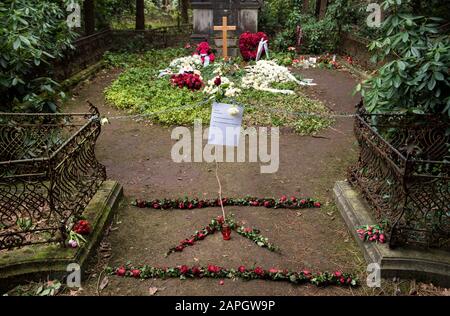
(186, 64)
(216, 225)
(204, 50)
(266, 72)
(371, 233)
(303, 62)
(75, 239)
(248, 44)
(328, 61)
(189, 80)
(189, 204)
(82, 227)
(254, 273)
(221, 87)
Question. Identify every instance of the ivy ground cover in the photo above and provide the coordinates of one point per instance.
(140, 89)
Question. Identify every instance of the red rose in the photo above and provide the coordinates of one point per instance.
(140, 203)
(181, 205)
(201, 236)
(82, 227)
(266, 204)
(338, 274)
(179, 248)
(342, 280)
(195, 271)
(241, 269)
(190, 206)
(317, 204)
(273, 270)
(293, 199)
(302, 201)
(254, 203)
(200, 204)
(306, 272)
(259, 271)
(135, 273)
(121, 271)
(156, 205)
(220, 219)
(217, 81)
(191, 241)
(283, 198)
(214, 269)
(247, 230)
(184, 269)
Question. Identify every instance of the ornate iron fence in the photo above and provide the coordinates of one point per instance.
(404, 172)
(48, 174)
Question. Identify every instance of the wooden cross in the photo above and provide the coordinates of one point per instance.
(225, 28)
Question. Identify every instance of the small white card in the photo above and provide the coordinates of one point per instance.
(225, 128)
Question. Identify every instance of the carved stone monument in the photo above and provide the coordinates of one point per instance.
(208, 13)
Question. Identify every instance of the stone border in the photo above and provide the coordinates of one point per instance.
(423, 265)
(39, 261)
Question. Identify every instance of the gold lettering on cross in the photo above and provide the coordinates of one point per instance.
(225, 28)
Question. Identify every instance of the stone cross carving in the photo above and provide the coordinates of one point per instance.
(225, 28)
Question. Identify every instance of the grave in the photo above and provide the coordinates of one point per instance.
(240, 13)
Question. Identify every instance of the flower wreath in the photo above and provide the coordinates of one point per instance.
(203, 49)
(248, 44)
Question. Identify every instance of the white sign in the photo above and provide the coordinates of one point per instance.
(225, 124)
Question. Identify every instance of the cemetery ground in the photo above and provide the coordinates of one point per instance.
(137, 154)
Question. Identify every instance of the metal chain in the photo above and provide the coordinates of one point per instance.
(303, 114)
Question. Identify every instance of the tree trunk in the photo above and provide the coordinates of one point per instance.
(89, 17)
(321, 8)
(305, 6)
(140, 16)
(184, 11)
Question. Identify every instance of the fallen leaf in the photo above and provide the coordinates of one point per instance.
(104, 283)
(152, 290)
(196, 260)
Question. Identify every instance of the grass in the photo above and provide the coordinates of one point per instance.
(139, 90)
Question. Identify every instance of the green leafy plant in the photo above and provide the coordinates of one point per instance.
(32, 34)
(417, 80)
(51, 288)
(24, 223)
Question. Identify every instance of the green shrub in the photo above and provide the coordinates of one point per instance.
(417, 80)
(32, 33)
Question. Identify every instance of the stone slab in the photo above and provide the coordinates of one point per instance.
(427, 265)
(37, 262)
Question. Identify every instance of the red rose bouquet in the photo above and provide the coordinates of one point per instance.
(248, 44)
(188, 80)
(82, 227)
(203, 49)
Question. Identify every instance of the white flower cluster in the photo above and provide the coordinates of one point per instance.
(305, 63)
(186, 64)
(226, 86)
(265, 72)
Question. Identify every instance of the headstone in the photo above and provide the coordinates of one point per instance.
(207, 13)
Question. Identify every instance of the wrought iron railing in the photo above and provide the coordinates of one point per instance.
(404, 173)
(48, 174)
